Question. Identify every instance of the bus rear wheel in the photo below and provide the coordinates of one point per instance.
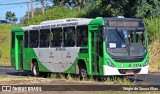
(35, 70)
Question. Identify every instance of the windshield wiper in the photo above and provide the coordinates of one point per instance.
(128, 46)
(119, 34)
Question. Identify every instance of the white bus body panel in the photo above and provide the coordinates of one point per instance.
(57, 59)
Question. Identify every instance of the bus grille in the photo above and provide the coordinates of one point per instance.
(123, 71)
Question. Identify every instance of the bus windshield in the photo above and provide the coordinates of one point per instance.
(123, 42)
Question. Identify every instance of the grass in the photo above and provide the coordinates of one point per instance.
(154, 61)
(5, 44)
(108, 81)
(153, 27)
(22, 79)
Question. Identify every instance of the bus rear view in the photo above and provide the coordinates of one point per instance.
(126, 47)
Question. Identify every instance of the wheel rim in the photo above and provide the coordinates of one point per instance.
(35, 70)
(83, 73)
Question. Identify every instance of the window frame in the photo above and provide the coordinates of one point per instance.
(61, 35)
(13, 40)
(43, 30)
(73, 37)
(80, 39)
(29, 38)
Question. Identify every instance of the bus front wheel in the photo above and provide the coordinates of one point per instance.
(83, 73)
(35, 70)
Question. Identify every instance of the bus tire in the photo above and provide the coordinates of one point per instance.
(83, 72)
(35, 70)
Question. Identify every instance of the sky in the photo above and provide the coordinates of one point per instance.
(19, 9)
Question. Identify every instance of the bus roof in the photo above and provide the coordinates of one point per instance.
(59, 23)
(62, 20)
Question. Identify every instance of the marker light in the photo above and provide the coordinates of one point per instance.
(146, 63)
(110, 63)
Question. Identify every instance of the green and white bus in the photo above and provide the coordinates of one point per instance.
(100, 46)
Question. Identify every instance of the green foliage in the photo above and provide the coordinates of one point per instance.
(56, 13)
(148, 8)
(11, 16)
(101, 8)
(57, 2)
(126, 8)
(0, 52)
(37, 11)
(71, 4)
(5, 44)
(112, 8)
(152, 25)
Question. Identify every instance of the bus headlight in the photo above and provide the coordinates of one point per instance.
(110, 63)
(146, 63)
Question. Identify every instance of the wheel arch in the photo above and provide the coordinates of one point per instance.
(34, 60)
(81, 63)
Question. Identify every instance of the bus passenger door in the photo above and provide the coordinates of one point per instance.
(19, 52)
(95, 52)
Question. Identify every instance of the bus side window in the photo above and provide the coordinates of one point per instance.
(69, 36)
(13, 40)
(82, 35)
(44, 38)
(33, 39)
(26, 39)
(56, 38)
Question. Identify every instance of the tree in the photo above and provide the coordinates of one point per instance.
(58, 2)
(126, 8)
(42, 3)
(71, 4)
(148, 8)
(11, 16)
(81, 3)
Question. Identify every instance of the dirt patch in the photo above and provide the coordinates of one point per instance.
(14, 80)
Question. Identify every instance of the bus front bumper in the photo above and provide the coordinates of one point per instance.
(107, 70)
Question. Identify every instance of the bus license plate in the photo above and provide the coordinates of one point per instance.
(130, 73)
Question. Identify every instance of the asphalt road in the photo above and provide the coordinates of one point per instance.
(149, 79)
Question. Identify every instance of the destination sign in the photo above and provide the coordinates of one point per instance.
(124, 23)
(127, 23)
